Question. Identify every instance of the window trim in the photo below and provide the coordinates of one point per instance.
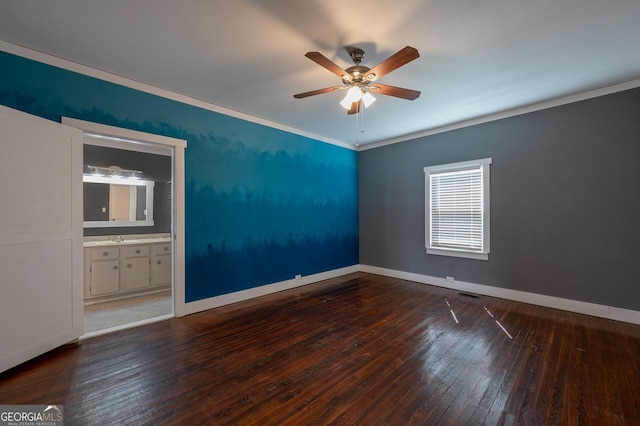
(483, 164)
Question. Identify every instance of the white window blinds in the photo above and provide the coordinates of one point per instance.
(457, 208)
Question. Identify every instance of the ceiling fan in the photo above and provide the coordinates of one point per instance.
(359, 81)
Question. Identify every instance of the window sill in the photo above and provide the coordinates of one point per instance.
(457, 253)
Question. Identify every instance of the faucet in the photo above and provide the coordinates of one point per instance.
(117, 239)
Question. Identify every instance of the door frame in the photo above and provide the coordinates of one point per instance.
(178, 146)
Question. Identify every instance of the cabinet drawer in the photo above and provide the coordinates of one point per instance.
(105, 253)
(162, 248)
(135, 251)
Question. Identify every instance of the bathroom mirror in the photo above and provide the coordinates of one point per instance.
(116, 201)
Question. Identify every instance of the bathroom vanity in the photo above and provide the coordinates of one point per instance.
(121, 266)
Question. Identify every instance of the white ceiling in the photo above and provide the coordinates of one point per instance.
(476, 57)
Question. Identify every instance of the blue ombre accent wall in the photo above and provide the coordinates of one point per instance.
(262, 205)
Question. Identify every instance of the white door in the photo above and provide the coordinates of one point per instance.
(40, 236)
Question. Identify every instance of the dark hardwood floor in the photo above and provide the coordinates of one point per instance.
(361, 349)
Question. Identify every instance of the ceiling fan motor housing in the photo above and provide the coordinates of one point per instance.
(357, 71)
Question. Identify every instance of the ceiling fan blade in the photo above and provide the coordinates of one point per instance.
(398, 92)
(327, 63)
(318, 92)
(355, 107)
(395, 61)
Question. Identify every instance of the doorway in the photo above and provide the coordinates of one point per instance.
(133, 270)
(127, 233)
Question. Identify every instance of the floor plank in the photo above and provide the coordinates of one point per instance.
(359, 349)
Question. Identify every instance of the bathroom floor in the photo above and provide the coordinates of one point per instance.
(101, 316)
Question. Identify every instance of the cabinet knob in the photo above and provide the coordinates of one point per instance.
(115, 267)
(138, 251)
(166, 248)
(106, 253)
(159, 262)
(129, 265)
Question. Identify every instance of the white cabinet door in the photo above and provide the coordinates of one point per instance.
(40, 236)
(135, 273)
(105, 277)
(161, 270)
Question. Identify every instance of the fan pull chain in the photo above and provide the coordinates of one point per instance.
(357, 129)
(359, 123)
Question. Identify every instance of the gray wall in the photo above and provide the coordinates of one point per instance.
(565, 202)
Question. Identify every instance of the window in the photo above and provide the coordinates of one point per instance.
(457, 209)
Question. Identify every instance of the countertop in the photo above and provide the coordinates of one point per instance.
(111, 240)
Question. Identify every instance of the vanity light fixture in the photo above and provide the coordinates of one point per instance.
(114, 172)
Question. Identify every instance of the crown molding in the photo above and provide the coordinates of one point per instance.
(143, 87)
(577, 97)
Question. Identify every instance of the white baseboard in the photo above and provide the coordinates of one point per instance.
(125, 326)
(603, 311)
(239, 296)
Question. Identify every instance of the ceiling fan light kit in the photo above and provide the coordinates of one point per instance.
(358, 79)
(368, 99)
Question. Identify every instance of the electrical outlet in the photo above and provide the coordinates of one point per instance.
(298, 276)
(450, 279)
